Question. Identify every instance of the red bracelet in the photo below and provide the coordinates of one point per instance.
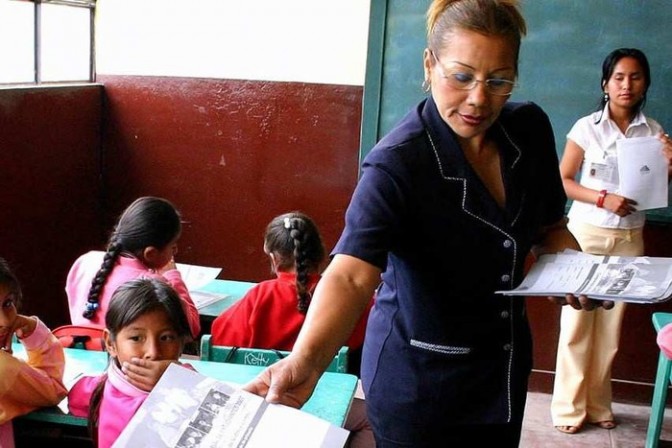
(600, 199)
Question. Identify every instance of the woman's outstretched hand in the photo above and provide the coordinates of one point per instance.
(582, 302)
(291, 381)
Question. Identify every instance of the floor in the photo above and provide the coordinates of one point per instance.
(538, 430)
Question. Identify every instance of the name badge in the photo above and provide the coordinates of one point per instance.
(602, 171)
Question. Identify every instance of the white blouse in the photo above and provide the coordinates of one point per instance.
(600, 165)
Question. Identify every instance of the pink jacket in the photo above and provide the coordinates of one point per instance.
(37, 382)
(119, 404)
(81, 275)
(120, 401)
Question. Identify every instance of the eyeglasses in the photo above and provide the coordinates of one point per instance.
(467, 81)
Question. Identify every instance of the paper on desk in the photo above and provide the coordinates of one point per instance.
(187, 409)
(642, 171)
(195, 277)
(202, 299)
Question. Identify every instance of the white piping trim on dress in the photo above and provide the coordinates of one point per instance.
(515, 250)
(464, 199)
(447, 349)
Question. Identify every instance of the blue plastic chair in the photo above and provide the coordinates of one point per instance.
(660, 389)
(259, 357)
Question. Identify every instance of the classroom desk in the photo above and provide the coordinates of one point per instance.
(235, 289)
(330, 401)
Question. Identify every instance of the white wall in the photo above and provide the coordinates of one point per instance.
(317, 41)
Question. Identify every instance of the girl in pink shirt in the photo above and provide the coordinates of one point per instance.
(143, 244)
(146, 330)
(25, 385)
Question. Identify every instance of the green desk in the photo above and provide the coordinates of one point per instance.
(233, 288)
(330, 401)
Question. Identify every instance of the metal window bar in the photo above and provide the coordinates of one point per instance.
(78, 3)
(91, 4)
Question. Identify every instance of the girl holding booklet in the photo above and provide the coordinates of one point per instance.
(145, 331)
(604, 223)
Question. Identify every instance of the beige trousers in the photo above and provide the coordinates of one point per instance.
(588, 340)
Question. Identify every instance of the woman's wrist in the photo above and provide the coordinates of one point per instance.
(600, 199)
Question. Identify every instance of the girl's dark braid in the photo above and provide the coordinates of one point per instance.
(297, 231)
(113, 250)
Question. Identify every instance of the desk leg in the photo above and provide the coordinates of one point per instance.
(658, 402)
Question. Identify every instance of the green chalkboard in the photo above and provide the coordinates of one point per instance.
(559, 67)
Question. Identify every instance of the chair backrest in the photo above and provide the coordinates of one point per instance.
(258, 356)
(78, 336)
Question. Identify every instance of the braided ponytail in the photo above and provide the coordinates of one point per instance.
(297, 232)
(109, 259)
(296, 243)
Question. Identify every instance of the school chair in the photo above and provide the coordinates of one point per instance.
(79, 336)
(660, 388)
(260, 357)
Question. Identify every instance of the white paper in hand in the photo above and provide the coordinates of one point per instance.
(187, 409)
(642, 171)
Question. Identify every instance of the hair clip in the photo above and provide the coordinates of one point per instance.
(287, 224)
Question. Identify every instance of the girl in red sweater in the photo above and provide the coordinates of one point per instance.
(271, 314)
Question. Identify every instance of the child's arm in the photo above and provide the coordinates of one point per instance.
(174, 278)
(26, 385)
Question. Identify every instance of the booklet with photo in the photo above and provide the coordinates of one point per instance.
(630, 279)
(187, 409)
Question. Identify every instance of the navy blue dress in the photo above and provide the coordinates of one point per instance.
(441, 347)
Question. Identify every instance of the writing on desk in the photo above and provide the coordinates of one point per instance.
(257, 359)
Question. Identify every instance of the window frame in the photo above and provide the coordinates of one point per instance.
(37, 35)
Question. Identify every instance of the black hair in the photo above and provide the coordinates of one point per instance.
(130, 301)
(8, 278)
(608, 67)
(295, 241)
(148, 221)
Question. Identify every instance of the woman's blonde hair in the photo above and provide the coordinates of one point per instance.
(488, 17)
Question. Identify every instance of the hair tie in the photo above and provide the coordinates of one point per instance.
(287, 224)
(90, 310)
(92, 306)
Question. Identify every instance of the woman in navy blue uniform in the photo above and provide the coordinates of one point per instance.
(448, 207)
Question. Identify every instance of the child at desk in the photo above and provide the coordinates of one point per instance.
(143, 243)
(25, 385)
(146, 330)
(271, 314)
